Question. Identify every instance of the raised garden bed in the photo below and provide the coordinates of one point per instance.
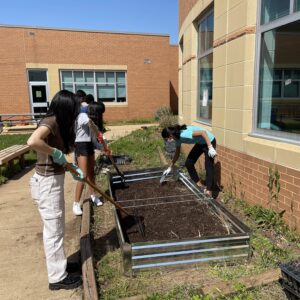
(291, 278)
(181, 226)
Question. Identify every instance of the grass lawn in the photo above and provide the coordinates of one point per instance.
(271, 243)
(10, 140)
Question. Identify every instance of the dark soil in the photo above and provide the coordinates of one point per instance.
(167, 212)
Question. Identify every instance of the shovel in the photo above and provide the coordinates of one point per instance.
(106, 197)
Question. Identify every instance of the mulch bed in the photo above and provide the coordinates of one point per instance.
(168, 212)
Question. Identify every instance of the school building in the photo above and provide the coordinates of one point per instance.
(239, 76)
(134, 74)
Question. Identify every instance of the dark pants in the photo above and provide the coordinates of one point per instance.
(192, 158)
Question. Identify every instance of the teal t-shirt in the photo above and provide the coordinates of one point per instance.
(186, 136)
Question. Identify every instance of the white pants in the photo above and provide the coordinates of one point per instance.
(48, 192)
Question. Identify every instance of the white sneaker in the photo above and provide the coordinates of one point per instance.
(77, 209)
(96, 200)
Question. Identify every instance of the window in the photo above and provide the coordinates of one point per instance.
(297, 5)
(279, 80)
(274, 9)
(37, 75)
(205, 64)
(106, 86)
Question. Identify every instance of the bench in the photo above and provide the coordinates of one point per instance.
(8, 155)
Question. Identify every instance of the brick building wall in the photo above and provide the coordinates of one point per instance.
(148, 85)
(247, 178)
(185, 7)
(174, 79)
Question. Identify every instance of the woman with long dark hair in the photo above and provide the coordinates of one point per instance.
(204, 142)
(54, 138)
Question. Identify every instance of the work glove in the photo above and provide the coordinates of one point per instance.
(167, 172)
(59, 157)
(79, 176)
(211, 151)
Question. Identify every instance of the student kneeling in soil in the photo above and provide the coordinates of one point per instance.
(55, 136)
(204, 142)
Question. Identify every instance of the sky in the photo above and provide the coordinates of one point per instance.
(139, 16)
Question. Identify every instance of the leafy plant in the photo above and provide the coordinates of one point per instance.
(266, 218)
(273, 185)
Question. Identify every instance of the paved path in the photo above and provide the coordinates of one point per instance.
(22, 262)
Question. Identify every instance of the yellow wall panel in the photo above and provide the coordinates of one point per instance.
(218, 98)
(237, 17)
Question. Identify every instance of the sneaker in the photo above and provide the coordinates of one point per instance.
(96, 200)
(73, 267)
(68, 283)
(77, 209)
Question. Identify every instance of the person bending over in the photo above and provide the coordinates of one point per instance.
(204, 142)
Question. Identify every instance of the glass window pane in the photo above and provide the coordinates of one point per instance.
(297, 5)
(100, 78)
(274, 9)
(121, 94)
(68, 87)
(277, 74)
(66, 76)
(205, 87)
(201, 37)
(106, 93)
(121, 77)
(37, 75)
(278, 109)
(110, 77)
(87, 88)
(78, 76)
(291, 90)
(89, 76)
(276, 93)
(210, 31)
(296, 74)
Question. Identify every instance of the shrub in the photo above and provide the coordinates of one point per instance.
(165, 117)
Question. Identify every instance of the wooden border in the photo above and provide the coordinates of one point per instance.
(90, 291)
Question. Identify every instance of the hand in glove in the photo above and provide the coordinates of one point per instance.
(59, 157)
(79, 176)
(211, 151)
(167, 172)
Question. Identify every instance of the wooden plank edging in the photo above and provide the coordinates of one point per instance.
(88, 275)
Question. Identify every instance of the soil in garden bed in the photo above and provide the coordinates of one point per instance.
(168, 212)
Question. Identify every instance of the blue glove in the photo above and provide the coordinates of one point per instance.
(79, 176)
(59, 157)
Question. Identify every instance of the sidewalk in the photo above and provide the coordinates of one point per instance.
(23, 272)
(115, 132)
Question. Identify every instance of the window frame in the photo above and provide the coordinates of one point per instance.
(199, 57)
(293, 138)
(97, 84)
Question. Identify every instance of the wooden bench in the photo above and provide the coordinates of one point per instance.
(8, 155)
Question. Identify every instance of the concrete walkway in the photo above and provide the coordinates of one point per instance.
(22, 261)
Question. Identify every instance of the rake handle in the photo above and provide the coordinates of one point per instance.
(96, 188)
(101, 140)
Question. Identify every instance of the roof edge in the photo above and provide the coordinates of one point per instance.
(82, 30)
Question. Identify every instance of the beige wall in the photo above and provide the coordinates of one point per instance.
(233, 80)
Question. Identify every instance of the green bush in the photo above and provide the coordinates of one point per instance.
(165, 117)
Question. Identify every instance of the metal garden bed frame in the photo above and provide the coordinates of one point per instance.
(145, 255)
